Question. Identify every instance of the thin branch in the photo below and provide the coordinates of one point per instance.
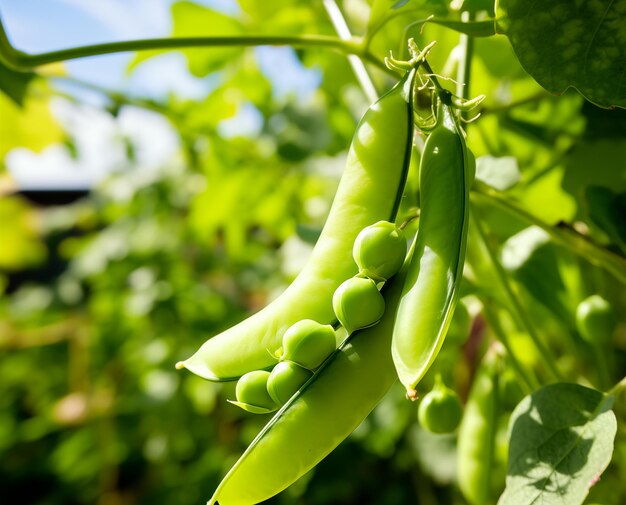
(567, 237)
(341, 27)
(20, 60)
(527, 379)
(515, 304)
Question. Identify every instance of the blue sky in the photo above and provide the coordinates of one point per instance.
(45, 25)
(38, 26)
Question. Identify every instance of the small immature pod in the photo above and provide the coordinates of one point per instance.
(285, 379)
(379, 250)
(308, 343)
(595, 320)
(440, 410)
(358, 303)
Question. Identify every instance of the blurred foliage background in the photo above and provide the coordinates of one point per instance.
(194, 212)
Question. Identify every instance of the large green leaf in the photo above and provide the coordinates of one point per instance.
(566, 43)
(31, 125)
(561, 440)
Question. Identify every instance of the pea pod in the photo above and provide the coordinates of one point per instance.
(431, 289)
(476, 442)
(369, 191)
(440, 410)
(317, 418)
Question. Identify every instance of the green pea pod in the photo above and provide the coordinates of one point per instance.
(320, 416)
(431, 289)
(369, 191)
(477, 433)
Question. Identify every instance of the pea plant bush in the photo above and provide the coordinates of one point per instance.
(458, 326)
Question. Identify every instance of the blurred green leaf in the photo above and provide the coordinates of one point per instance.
(14, 84)
(499, 173)
(533, 260)
(30, 125)
(21, 243)
(607, 210)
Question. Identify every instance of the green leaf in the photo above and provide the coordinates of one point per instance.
(284, 17)
(308, 233)
(532, 259)
(192, 20)
(14, 84)
(499, 173)
(561, 440)
(583, 169)
(380, 9)
(565, 44)
(21, 244)
(607, 210)
(31, 126)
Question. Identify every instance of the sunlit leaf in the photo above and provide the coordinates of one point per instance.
(532, 259)
(499, 173)
(561, 440)
(31, 126)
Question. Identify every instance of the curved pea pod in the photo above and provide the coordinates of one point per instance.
(370, 190)
(319, 417)
(477, 434)
(431, 290)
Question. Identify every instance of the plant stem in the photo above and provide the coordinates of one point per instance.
(23, 61)
(465, 63)
(618, 388)
(496, 109)
(341, 27)
(565, 236)
(516, 306)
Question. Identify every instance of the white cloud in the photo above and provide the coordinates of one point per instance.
(101, 149)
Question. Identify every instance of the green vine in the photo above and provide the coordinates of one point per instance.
(20, 60)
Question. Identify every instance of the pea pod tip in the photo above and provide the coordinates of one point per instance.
(200, 369)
